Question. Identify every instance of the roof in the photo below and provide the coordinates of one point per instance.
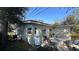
(35, 22)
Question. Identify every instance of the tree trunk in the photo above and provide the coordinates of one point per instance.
(4, 29)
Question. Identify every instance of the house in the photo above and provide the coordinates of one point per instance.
(31, 28)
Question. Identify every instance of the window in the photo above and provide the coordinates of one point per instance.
(35, 30)
(44, 31)
(29, 30)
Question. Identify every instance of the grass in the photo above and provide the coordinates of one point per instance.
(18, 45)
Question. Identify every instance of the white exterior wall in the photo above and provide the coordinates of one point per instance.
(30, 37)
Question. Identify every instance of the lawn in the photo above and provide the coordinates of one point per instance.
(18, 45)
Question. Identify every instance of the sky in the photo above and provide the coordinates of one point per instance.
(48, 15)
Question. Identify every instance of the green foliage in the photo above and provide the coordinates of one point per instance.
(12, 14)
(70, 20)
(55, 25)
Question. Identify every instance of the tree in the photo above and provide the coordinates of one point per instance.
(12, 15)
(70, 20)
(55, 25)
